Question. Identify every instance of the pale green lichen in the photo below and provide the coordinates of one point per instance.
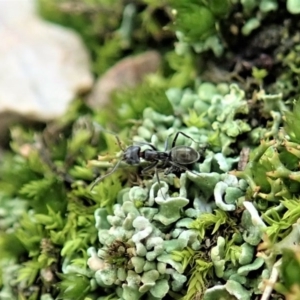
(149, 224)
(140, 249)
(293, 6)
(184, 236)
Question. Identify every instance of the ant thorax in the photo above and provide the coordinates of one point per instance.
(153, 155)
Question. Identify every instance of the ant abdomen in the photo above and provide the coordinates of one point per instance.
(184, 155)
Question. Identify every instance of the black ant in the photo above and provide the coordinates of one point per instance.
(177, 158)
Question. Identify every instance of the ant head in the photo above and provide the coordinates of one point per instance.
(132, 155)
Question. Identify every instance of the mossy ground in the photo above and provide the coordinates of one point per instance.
(230, 80)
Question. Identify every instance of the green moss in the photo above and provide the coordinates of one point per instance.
(59, 222)
(208, 225)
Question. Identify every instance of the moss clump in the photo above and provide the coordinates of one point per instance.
(53, 222)
(210, 232)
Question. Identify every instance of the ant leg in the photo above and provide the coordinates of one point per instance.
(150, 167)
(181, 167)
(171, 170)
(165, 163)
(156, 173)
(187, 136)
(203, 148)
(147, 144)
(158, 180)
(98, 179)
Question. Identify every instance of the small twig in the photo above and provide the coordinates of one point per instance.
(256, 219)
(271, 281)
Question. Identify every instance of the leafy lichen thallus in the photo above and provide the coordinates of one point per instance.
(173, 160)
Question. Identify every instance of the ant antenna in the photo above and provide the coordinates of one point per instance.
(115, 166)
(119, 143)
(104, 176)
(102, 129)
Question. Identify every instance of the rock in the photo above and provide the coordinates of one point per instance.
(42, 66)
(129, 72)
